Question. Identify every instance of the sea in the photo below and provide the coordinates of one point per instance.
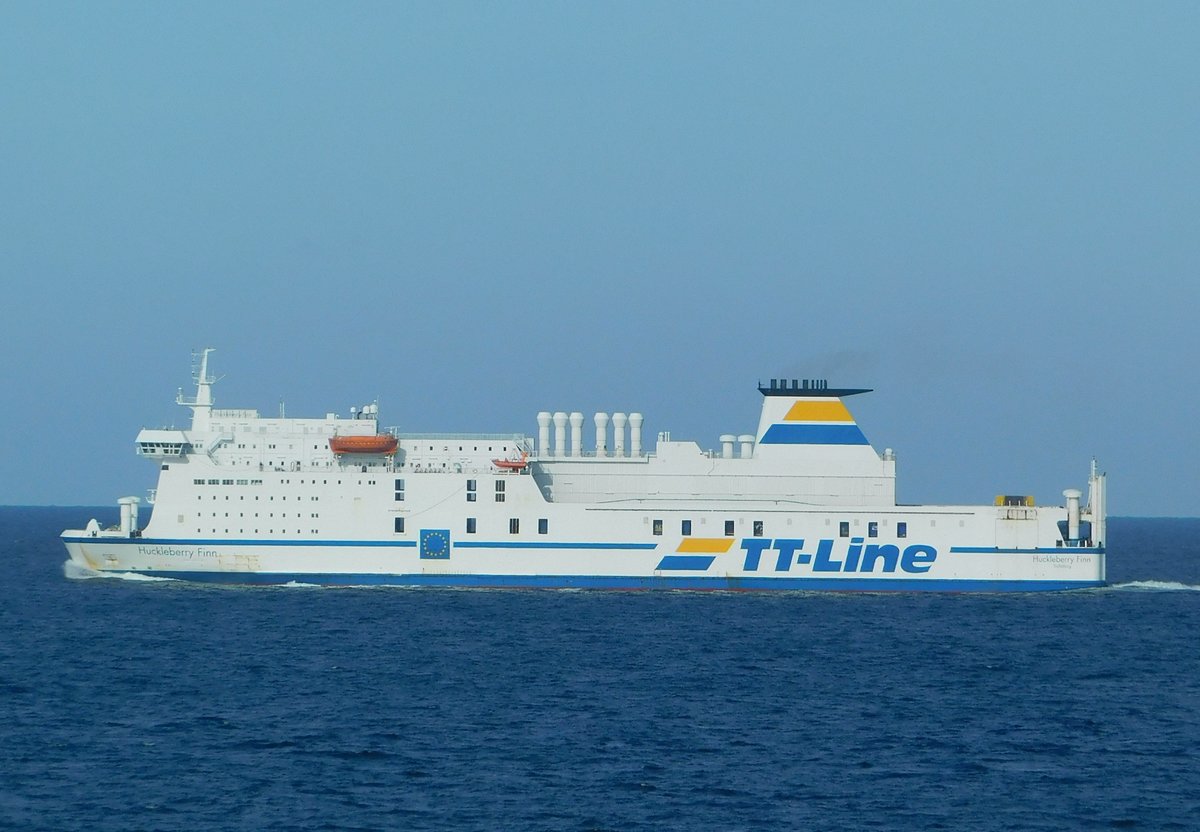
(161, 705)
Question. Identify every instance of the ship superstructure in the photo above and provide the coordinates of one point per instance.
(805, 502)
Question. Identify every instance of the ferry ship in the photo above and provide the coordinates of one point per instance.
(804, 503)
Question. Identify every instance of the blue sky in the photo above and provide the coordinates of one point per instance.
(985, 211)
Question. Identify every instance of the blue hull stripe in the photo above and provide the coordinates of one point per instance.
(627, 582)
(464, 544)
(517, 544)
(684, 562)
(192, 541)
(1055, 550)
(797, 434)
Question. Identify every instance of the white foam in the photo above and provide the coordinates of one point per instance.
(75, 572)
(1160, 586)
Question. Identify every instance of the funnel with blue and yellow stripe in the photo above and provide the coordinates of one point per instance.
(812, 414)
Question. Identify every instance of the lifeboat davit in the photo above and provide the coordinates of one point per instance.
(511, 464)
(383, 443)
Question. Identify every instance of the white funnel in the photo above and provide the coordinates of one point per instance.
(747, 443)
(1072, 495)
(576, 434)
(601, 420)
(560, 434)
(129, 514)
(619, 420)
(543, 420)
(727, 440)
(635, 434)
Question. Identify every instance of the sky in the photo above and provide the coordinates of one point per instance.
(986, 212)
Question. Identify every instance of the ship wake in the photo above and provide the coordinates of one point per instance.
(75, 572)
(1156, 586)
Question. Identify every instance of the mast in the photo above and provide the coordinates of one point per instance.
(201, 404)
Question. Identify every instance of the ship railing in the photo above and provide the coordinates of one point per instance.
(492, 437)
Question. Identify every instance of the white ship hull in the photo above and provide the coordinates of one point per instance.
(807, 506)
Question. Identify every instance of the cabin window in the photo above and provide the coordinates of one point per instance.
(758, 528)
(470, 525)
(399, 491)
(499, 491)
(514, 526)
(685, 528)
(543, 526)
(658, 527)
(471, 491)
(902, 529)
(872, 529)
(399, 521)
(844, 529)
(729, 528)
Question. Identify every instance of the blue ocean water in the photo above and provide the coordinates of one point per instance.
(141, 704)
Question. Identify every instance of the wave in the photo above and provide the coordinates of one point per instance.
(1157, 586)
(75, 572)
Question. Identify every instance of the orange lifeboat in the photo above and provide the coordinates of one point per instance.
(511, 464)
(383, 443)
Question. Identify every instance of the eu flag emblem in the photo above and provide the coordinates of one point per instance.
(435, 544)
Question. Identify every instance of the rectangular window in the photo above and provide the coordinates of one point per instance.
(658, 527)
(758, 528)
(685, 528)
(901, 529)
(471, 485)
(399, 525)
(543, 526)
(470, 525)
(399, 485)
(844, 529)
(514, 526)
(472, 491)
(729, 528)
(499, 491)
(872, 529)
(399, 491)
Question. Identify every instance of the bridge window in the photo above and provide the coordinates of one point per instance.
(399, 522)
(729, 528)
(470, 525)
(658, 527)
(543, 526)
(872, 529)
(758, 528)
(685, 528)
(901, 529)
(844, 529)
(514, 526)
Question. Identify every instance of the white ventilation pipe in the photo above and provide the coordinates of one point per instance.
(601, 420)
(544, 433)
(635, 434)
(747, 442)
(1072, 495)
(560, 434)
(129, 514)
(618, 422)
(576, 434)
(727, 440)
